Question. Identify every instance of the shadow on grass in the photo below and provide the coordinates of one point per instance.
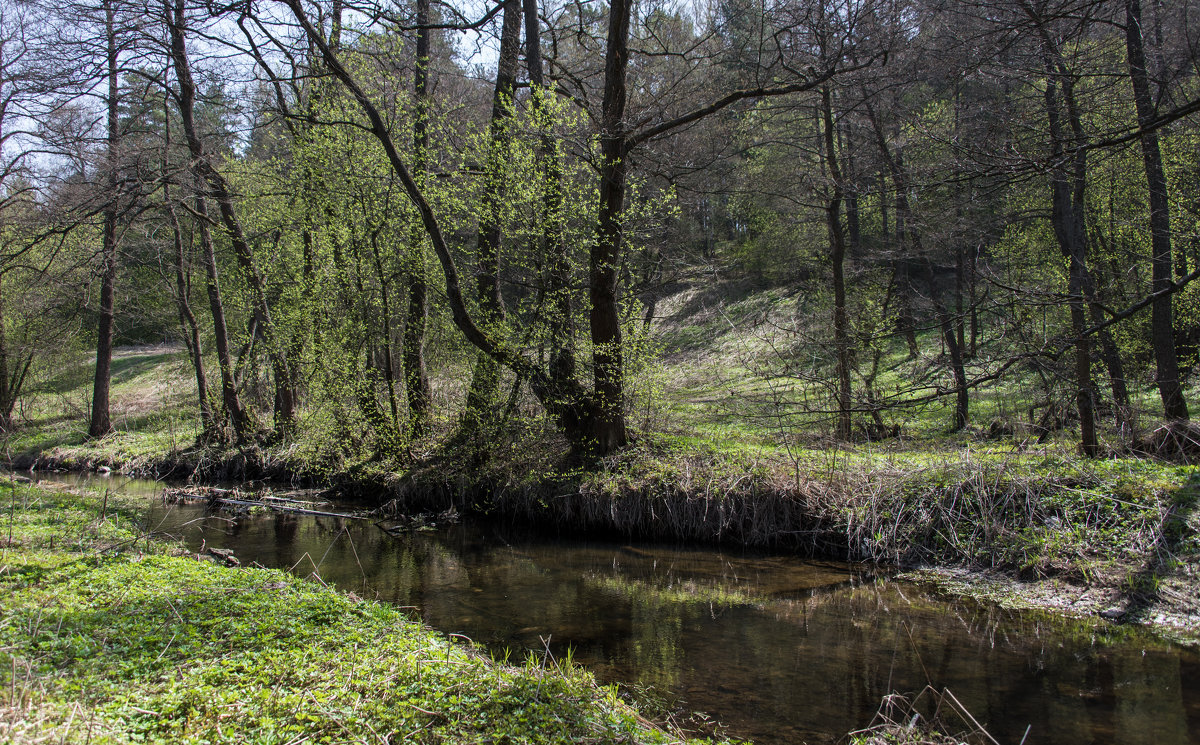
(45, 437)
(125, 367)
(68, 379)
(693, 325)
(1142, 589)
(24, 574)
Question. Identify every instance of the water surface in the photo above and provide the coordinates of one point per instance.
(776, 648)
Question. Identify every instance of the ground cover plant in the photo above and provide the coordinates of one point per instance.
(110, 634)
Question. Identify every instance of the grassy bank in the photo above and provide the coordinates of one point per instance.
(1120, 532)
(1118, 537)
(108, 635)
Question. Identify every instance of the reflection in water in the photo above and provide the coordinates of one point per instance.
(778, 649)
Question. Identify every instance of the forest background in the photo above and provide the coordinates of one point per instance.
(800, 234)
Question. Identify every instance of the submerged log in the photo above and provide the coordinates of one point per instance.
(219, 498)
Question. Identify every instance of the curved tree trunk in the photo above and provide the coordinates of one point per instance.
(285, 411)
(187, 319)
(572, 408)
(230, 399)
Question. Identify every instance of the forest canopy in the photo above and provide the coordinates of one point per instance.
(375, 223)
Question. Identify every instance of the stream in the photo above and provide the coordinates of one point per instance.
(776, 648)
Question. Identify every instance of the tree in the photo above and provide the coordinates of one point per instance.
(594, 421)
(101, 422)
(285, 412)
(1162, 328)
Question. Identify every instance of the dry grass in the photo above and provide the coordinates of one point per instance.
(931, 717)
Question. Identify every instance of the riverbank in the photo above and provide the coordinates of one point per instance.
(1117, 536)
(108, 634)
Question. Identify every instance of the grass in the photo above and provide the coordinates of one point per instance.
(153, 410)
(744, 368)
(736, 371)
(931, 717)
(107, 636)
(732, 447)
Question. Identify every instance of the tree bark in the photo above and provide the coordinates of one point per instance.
(1067, 216)
(8, 398)
(417, 389)
(837, 255)
(101, 422)
(230, 399)
(188, 323)
(608, 366)
(558, 276)
(1162, 334)
(14, 369)
(483, 397)
(389, 374)
(905, 229)
(571, 406)
(187, 318)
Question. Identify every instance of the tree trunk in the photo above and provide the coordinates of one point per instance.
(234, 410)
(905, 323)
(573, 410)
(483, 397)
(608, 416)
(558, 276)
(417, 389)
(7, 398)
(101, 422)
(187, 322)
(1162, 333)
(853, 221)
(960, 315)
(906, 230)
(187, 319)
(952, 340)
(389, 374)
(837, 246)
(285, 412)
(972, 289)
(1067, 205)
(14, 369)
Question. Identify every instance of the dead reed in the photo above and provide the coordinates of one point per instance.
(931, 717)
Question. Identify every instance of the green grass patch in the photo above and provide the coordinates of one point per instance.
(108, 638)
